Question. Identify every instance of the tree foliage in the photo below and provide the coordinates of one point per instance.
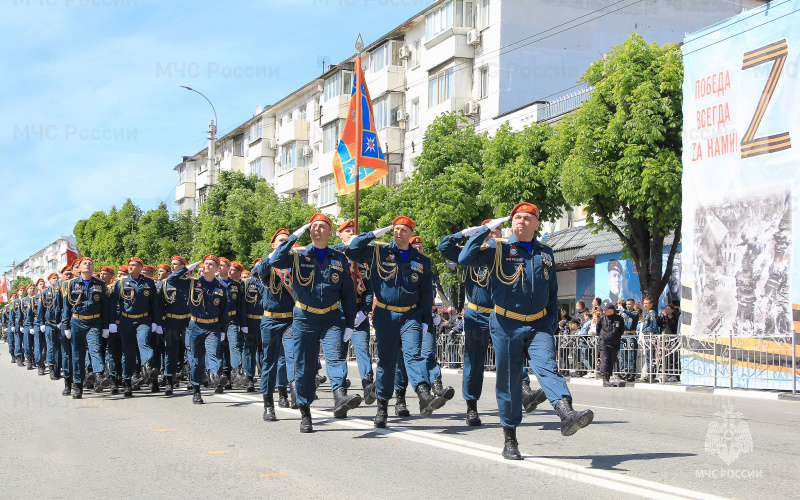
(19, 281)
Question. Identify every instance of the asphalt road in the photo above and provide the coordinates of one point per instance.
(643, 443)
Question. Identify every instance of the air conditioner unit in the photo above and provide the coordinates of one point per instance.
(402, 115)
(471, 108)
(307, 151)
(399, 177)
(473, 37)
(405, 52)
(272, 143)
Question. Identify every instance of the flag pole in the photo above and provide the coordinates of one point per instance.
(359, 138)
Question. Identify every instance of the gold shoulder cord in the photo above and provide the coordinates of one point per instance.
(383, 273)
(127, 297)
(48, 304)
(498, 268)
(170, 299)
(248, 297)
(480, 276)
(76, 301)
(300, 279)
(196, 301)
(275, 283)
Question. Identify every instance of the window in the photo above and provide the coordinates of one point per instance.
(414, 114)
(439, 21)
(380, 111)
(289, 117)
(326, 191)
(301, 113)
(440, 87)
(484, 82)
(416, 54)
(255, 133)
(340, 83)
(463, 14)
(255, 167)
(286, 159)
(292, 156)
(379, 57)
(182, 175)
(238, 147)
(330, 136)
(484, 14)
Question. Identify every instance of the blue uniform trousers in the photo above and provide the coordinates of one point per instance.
(94, 342)
(429, 353)
(81, 332)
(396, 333)
(19, 343)
(114, 354)
(53, 334)
(173, 338)
(39, 345)
(198, 340)
(360, 340)
(272, 333)
(235, 340)
(511, 340)
(476, 345)
(214, 352)
(252, 343)
(308, 335)
(11, 338)
(286, 359)
(135, 338)
(27, 341)
(66, 356)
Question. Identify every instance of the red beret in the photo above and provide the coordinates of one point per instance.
(406, 221)
(415, 239)
(237, 266)
(150, 268)
(323, 218)
(178, 257)
(75, 263)
(66, 268)
(52, 275)
(95, 274)
(40, 279)
(526, 207)
(164, 266)
(31, 286)
(81, 259)
(136, 259)
(245, 273)
(257, 261)
(124, 269)
(223, 259)
(212, 257)
(282, 230)
(345, 225)
(107, 269)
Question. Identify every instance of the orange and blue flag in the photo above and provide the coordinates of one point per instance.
(359, 143)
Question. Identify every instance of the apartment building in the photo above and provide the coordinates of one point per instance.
(47, 260)
(498, 61)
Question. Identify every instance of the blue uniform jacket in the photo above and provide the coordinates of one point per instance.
(30, 306)
(50, 307)
(318, 284)
(522, 282)
(88, 300)
(650, 322)
(364, 299)
(134, 300)
(253, 292)
(276, 296)
(474, 276)
(234, 292)
(174, 305)
(631, 320)
(16, 313)
(394, 282)
(207, 301)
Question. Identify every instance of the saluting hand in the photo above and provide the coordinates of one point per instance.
(302, 230)
(380, 232)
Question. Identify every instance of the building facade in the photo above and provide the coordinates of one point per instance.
(498, 61)
(47, 260)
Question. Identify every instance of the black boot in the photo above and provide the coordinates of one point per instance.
(571, 420)
(292, 396)
(30, 363)
(531, 399)
(369, 389)
(228, 385)
(67, 387)
(115, 383)
(41, 368)
(151, 373)
(283, 397)
(53, 374)
(444, 392)
(89, 381)
(220, 382)
(343, 403)
(510, 447)
(250, 386)
(305, 420)
(78, 394)
(382, 414)
(169, 388)
(197, 398)
(269, 409)
(427, 401)
(102, 382)
(138, 380)
(20, 360)
(607, 382)
(400, 408)
(473, 420)
(320, 379)
(154, 386)
(128, 388)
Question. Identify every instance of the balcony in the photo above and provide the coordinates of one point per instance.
(446, 46)
(388, 79)
(336, 108)
(292, 181)
(232, 163)
(295, 130)
(185, 190)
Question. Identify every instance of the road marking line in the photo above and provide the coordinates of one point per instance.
(272, 474)
(557, 468)
(742, 394)
(602, 407)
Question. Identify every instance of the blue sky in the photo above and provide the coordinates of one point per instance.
(92, 108)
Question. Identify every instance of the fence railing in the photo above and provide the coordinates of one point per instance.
(564, 104)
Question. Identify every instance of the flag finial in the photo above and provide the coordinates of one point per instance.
(359, 43)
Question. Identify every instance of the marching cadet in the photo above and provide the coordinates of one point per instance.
(135, 296)
(277, 303)
(174, 320)
(29, 307)
(251, 325)
(66, 343)
(360, 338)
(49, 319)
(223, 354)
(237, 322)
(478, 308)
(524, 291)
(323, 291)
(39, 337)
(6, 322)
(85, 313)
(149, 272)
(122, 272)
(403, 296)
(107, 275)
(19, 342)
(164, 270)
(113, 344)
(207, 318)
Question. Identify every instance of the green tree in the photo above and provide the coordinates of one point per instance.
(620, 153)
(19, 281)
(154, 236)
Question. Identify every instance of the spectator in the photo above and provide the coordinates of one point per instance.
(610, 327)
(630, 345)
(580, 308)
(669, 322)
(597, 302)
(562, 315)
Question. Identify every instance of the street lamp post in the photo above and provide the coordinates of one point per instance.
(212, 137)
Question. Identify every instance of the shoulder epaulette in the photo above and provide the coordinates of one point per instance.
(501, 240)
(381, 243)
(298, 249)
(546, 245)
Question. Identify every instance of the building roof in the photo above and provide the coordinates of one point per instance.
(583, 243)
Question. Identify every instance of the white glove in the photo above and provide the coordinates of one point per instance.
(360, 317)
(469, 231)
(153, 327)
(424, 328)
(243, 329)
(159, 330)
(302, 230)
(380, 232)
(496, 223)
(42, 328)
(31, 331)
(112, 327)
(221, 336)
(105, 334)
(437, 320)
(193, 265)
(59, 326)
(348, 333)
(68, 334)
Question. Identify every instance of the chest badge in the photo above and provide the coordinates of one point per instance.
(216, 301)
(335, 277)
(390, 257)
(546, 273)
(414, 277)
(512, 251)
(146, 292)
